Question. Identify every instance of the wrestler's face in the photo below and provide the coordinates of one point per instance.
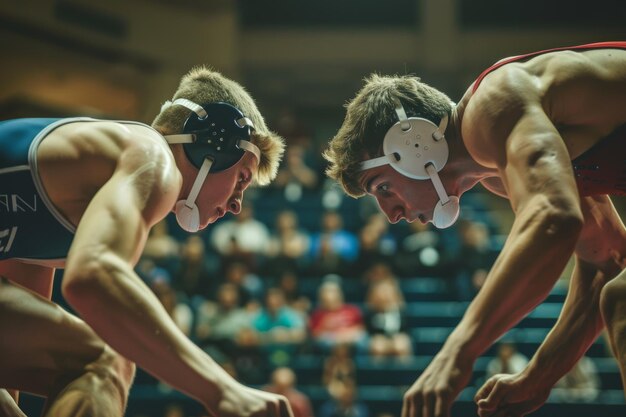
(400, 197)
(222, 192)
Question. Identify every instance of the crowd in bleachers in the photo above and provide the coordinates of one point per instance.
(306, 283)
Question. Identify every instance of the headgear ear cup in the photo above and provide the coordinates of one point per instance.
(415, 147)
(445, 215)
(188, 218)
(187, 212)
(447, 209)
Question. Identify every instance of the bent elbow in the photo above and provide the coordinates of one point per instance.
(563, 222)
(82, 284)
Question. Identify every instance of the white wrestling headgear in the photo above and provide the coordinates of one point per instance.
(215, 135)
(417, 148)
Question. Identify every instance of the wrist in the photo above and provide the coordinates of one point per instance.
(214, 382)
(461, 345)
(540, 373)
(214, 392)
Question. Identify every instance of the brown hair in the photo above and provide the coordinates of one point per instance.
(202, 85)
(368, 117)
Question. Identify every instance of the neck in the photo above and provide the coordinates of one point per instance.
(184, 166)
(461, 167)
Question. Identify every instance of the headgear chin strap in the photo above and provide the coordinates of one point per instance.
(187, 213)
(215, 135)
(416, 148)
(447, 210)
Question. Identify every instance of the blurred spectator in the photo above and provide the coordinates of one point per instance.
(344, 403)
(334, 321)
(242, 237)
(475, 259)
(225, 331)
(368, 206)
(288, 282)
(281, 330)
(249, 285)
(288, 125)
(339, 368)
(289, 244)
(150, 272)
(180, 312)
(284, 383)
(161, 247)
(230, 369)
(421, 252)
(385, 321)
(249, 360)
(294, 175)
(507, 361)
(174, 410)
(582, 383)
(298, 134)
(219, 324)
(333, 248)
(376, 244)
(379, 271)
(194, 272)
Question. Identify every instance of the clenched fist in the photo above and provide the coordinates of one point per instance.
(435, 390)
(510, 395)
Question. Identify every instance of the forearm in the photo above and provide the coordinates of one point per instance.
(8, 404)
(14, 394)
(530, 263)
(127, 315)
(580, 321)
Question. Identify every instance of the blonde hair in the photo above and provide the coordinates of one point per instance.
(368, 117)
(203, 85)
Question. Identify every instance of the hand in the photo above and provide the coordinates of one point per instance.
(435, 390)
(242, 401)
(510, 395)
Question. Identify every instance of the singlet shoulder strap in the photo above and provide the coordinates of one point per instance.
(597, 45)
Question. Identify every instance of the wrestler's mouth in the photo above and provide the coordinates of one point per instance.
(422, 219)
(397, 218)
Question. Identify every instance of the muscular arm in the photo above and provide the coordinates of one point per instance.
(599, 255)
(37, 279)
(8, 405)
(536, 171)
(101, 285)
(578, 326)
(580, 320)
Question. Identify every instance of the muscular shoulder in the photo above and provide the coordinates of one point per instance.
(142, 147)
(99, 140)
(138, 157)
(148, 163)
(494, 109)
